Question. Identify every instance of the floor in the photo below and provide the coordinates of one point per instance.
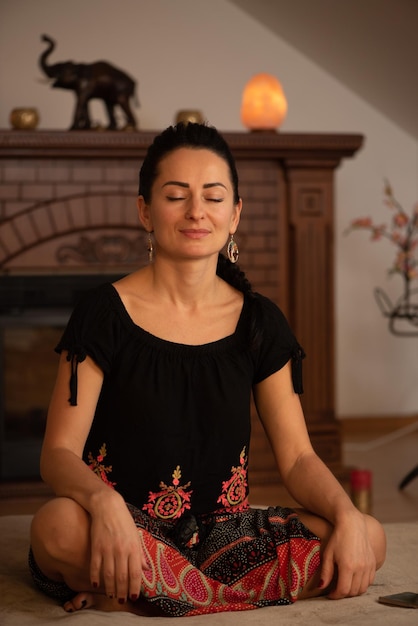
(389, 455)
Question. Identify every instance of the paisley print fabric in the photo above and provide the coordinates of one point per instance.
(239, 561)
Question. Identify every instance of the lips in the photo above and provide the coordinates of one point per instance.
(195, 233)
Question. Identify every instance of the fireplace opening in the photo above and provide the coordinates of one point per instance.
(28, 372)
(33, 313)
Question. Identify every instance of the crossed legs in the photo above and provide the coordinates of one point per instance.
(60, 540)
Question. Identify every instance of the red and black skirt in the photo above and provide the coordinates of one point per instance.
(218, 562)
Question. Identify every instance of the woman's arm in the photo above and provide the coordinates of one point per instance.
(281, 413)
(67, 428)
(313, 485)
(116, 555)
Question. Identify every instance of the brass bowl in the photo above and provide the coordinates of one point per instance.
(25, 118)
(189, 115)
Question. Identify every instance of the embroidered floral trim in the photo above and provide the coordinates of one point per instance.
(171, 501)
(234, 490)
(96, 465)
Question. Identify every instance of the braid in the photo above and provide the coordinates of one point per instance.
(233, 275)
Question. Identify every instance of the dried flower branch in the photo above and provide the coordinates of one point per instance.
(403, 233)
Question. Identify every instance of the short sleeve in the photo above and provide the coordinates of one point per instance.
(92, 330)
(277, 344)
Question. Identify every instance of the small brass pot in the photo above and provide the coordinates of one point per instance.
(189, 115)
(25, 118)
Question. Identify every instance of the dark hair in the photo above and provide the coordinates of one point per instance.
(195, 136)
(191, 135)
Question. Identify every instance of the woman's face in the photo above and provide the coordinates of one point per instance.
(191, 211)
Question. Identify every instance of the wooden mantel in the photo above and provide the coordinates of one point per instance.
(329, 147)
(285, 237)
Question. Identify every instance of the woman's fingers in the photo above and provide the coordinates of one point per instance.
(351, 583)
(108, 573)
(117, 558)
(135, 577)
(96, 570)
(120, 572)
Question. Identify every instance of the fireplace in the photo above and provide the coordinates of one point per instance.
(68, 221)
(33, 313)
(26, 344)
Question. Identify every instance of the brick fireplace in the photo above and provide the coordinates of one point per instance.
(68, 220)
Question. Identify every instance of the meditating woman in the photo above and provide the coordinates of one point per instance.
(148, 431)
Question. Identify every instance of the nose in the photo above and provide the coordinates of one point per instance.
(195, 209)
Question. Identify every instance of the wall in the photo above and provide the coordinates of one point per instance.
(193, 53)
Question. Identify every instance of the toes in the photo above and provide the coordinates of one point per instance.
(82, 600)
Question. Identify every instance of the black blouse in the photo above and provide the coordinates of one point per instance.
(171, 430)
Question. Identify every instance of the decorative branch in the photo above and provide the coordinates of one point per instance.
(403, 233)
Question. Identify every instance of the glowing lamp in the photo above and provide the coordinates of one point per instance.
(264, 105)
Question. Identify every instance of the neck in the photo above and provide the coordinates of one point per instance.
(188, 284)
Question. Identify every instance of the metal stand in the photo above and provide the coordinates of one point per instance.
(412, 474)
(401, 317)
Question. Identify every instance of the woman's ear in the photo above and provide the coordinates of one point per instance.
(236, 215)
(144, 214)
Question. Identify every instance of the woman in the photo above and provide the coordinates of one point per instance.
(148, 456)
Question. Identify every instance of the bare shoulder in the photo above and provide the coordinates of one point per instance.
(132, 284)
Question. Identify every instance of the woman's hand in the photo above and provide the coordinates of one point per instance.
(117, 560)
(348, 559)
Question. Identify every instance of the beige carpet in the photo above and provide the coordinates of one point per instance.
(22, 605)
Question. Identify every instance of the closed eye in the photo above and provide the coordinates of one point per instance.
(178, 198)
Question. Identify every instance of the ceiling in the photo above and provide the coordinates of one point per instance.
(369, 45)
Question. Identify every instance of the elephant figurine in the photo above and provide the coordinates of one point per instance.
(99, 80)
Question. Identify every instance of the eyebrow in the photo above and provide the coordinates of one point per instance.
(187, 186)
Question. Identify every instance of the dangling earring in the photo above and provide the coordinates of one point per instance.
(150, 248)
(232, 250)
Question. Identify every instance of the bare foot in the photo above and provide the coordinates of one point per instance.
(83, 600)
(87, 600)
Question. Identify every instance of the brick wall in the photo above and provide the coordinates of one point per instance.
(49, 203)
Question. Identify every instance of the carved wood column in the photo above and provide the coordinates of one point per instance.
(311, 297)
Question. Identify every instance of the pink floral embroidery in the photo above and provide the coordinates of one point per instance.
(171, 501)
(234, 490)
(96, 465)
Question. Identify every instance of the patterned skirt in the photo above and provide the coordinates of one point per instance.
(219, 562)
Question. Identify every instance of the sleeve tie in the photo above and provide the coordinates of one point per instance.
(75, 357)
(297, 378)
